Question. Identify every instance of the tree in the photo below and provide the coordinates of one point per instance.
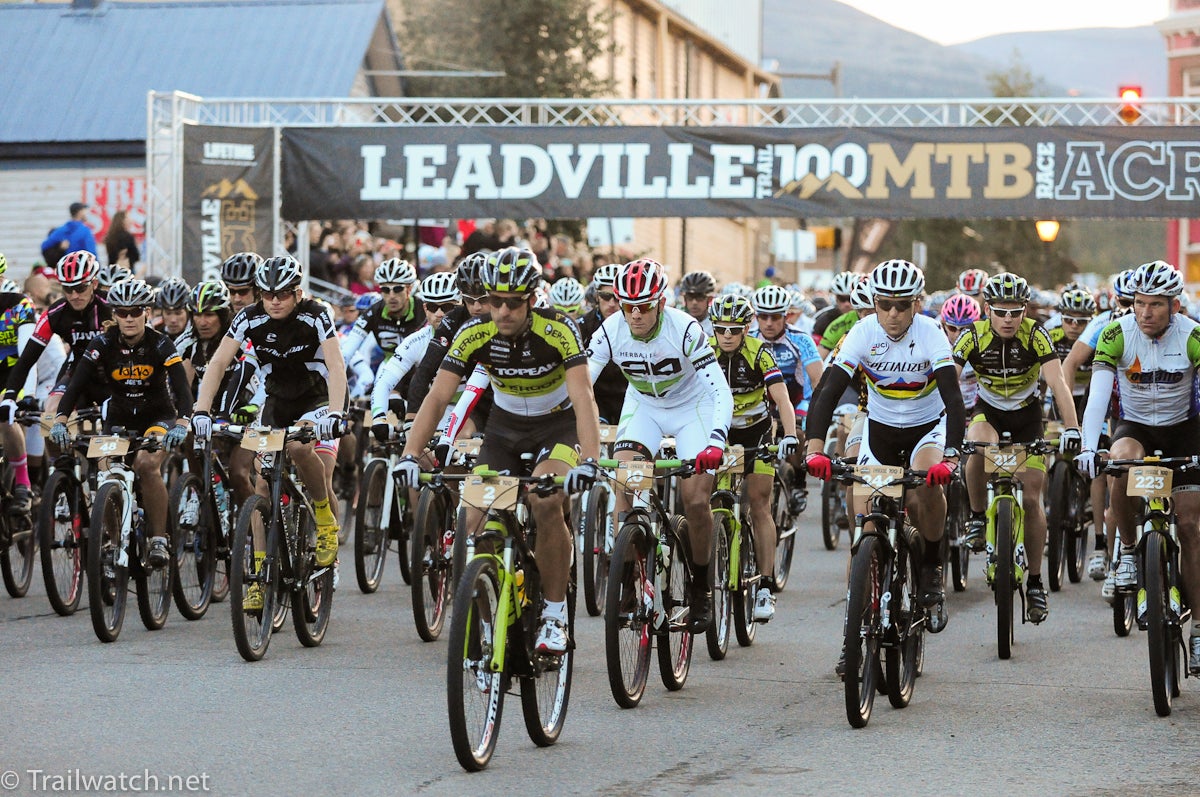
(545, 48)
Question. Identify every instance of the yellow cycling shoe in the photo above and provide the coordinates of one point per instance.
(253, 601)
(327, 533)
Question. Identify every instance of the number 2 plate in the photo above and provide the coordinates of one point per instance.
(1149, 481)
(733, 460)
(496, 492)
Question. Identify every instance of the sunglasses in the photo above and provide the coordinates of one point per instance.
(770, 316)
(1067, 319)
(1013, 313)
(1125, 302)
(240, 291)
(888, 305)
(511, 302)
(128, 312)
(278, 296)
(605, 296)
(76, 288)
(386, 289)
(695, 297)
(474, 299)
(952, 328)
(641, 307)
(721, 329)
(445, 307)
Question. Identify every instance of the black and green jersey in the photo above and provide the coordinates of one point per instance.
(749, 369)
(1008, 370)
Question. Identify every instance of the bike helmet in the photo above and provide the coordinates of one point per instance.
(173, 294)
(566, 294)
(1123, 284)
(1006, 287)
(467, 274)
(238, 270)
(772, 299)
(542, 296)
(395, 271)
(1157, 278)
(511, 270)
(971, 281)
(278, 274)
(730, 309)
(641, 282)
(1073, 286)
(861, 297)
(843, 283)
(698, 282)
(960, 310)
(440, 287)
(3, 264)
(1077, 302)
(796, 298)
(210, 296)
(364, 302)
(808, 309)
(9, 286)
(131, 293)
(606, 276)
(111, 274)
(77, 268)
(896, 279)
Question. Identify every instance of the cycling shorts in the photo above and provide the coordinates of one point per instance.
(507, 436)
(281, 413)
(152, 419)
(642, 427)
(1178, 440)
(896, 446)
(754, 436)
(1025, 426)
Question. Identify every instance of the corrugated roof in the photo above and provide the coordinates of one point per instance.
(82, 75)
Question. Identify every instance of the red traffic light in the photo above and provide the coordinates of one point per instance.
(1131, 98)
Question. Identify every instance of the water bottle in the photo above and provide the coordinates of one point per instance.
(520, 579)
(222, 498)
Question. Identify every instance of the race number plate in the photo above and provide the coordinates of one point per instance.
(1054, 430)
(263, 440)
(880, 477)
(107, 447)
(1004, 459)
(733, 460)
(635, 475)
(494, 492)
(468, 446)
(1149, 481)
(608, 433)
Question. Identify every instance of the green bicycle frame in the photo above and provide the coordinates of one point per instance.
(1018, 516)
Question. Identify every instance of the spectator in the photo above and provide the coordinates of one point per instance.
(319, 257)
(506, 232)
(120, 244)
(484, 237)
(362, 279)
(71, 237)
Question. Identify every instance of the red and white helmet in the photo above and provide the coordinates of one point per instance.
(971, 281)
(77, 268)
(641, 282)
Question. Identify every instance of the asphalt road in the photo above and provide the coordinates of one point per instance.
(364, 714)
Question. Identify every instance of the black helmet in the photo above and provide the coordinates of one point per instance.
(239, 270)
(511, 270)
(698, 282)
(470, 268)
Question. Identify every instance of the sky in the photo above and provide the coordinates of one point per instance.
(955, 21)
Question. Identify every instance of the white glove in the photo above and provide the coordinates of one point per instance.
(201, 426)
(408, 472)
(1069, 442)
(1088, 463)
(331, 427)
(787, 446)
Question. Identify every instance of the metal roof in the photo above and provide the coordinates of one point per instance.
(82, 74)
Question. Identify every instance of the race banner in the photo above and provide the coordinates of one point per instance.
(883, 173)
(228, 183)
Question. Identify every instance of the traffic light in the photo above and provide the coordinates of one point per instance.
(1131, 100)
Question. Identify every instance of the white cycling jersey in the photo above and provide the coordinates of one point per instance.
(1156, 377)
(899, 373)
(407, 356)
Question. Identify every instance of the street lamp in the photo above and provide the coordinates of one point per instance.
(1047, 231)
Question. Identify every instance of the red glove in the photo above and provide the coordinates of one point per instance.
(709, 458)
(819, 465)
(940, 473)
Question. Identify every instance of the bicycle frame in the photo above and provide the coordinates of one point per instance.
(283, 548)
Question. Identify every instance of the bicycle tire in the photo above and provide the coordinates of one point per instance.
(401, 527)
(593, 526)
(370, 542)
(676, 643)
(1160, 638)
(1004, 583)
(831, 533)
(154, 591)
(17, 558)
(312, 604)
(62, 542)
(193, 547)
(107, 595)
(251, 630)
(717, 636)
(785, 546)
(430, 565)
(908, 626)
(546, 695)
(744, 627)
(474, 723)
(458, 551)
(863, 629)
(628, 615)
(1081, 531)
(957, 514)
(1059, 523)
(222, 530)
(1124, 611)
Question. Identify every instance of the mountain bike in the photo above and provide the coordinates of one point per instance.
(1161, 611)
(118, 544)
(1068, 517)
(289, 575)
(592, 519)
(834, 514)
(18, 543)
(383, 518)
(346, 469)
(882, 613)
(786, 522)
(649, 582)
(495, 622)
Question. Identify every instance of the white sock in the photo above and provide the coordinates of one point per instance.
(556, 610)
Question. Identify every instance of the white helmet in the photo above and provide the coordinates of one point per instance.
(1157, 279)
(395, 271)
(440, 287)
(566, 294)
(898, 279)
(772, 299)
(843, 283)
(606, 275)
(861, 297)
(542, 295)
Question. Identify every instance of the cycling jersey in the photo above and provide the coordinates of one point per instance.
(76, 328)
(435, 352)
(388, 330)
(750, 370)
(289, 350)
(528, 371)
(16, 311)
(1008, 370)
(1156, 377)
(135, 375)
(838, 328)
(793, 351)
(1062, 347)
(406, 357)
(235, 388)
(899, 373)
(821, 321)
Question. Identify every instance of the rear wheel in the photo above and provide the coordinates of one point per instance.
(153, 588)
(400, 530)
(1060, 523)
(432, 529)
(1079, 534)
(628, 615)
(1004, 583)
(312, 605)
(785, 525)
(717, 636)
(251, 628)
(593, 526)
(1160, 632)
(546, 695)
(902, 658)
(17, 557)
(863, 629)
(192, 521)
(474, 694)
(675, 641)
(62, 543)
(1124, 610)
(370, 541)
(108, 577)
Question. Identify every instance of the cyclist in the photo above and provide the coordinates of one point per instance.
(566, 296)
(971, 282)
(543, 406)
(304, 379)
(915, 415)
(237, 272)
(171, 298)
(150, 395)
(1152, 355)
(753, 376)
(675, 388)
(843, 283)
(862, 304)
(1076, 309)
(609, 388)
(959, 312)
(697, 289)
(394, 317)
(109, 275)
(17, 321)
(1008, 352)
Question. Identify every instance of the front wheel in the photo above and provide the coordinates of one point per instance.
(1005, 583)
(251, 626)
(863, 630)
(108, 567)
(17, 557)
(1059, 522)
(1160, 630)
(675, 640)
(546, 695)
(432, 528)
(474, 693)
(628, 615)
(958, 513)
(744, 596)
(717, 636)
(831, 507)
(62, 542)
(908, 626)
(1079, 535)
(312, 602)
(370, 541)
(153, 590)
(785, 524)
(192, 522)
(594, 521)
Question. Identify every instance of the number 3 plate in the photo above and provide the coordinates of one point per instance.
(495, 492)
(261, 441)
(1149, 481)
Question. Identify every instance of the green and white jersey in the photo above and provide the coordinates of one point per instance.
(1156, 377)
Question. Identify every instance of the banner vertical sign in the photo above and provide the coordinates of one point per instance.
(228, 183)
